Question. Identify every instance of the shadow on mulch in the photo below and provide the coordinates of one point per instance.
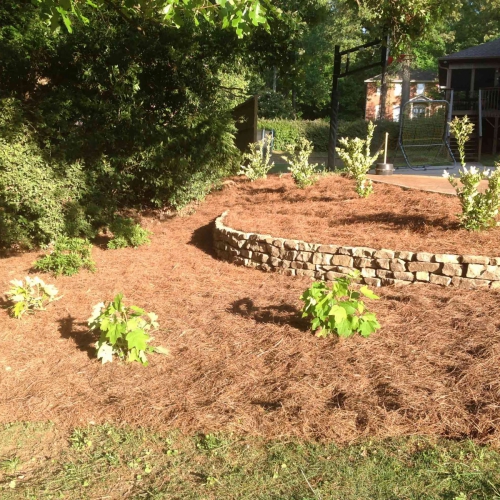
(202, 238)
(399, 221)
(79, 332)
(279, 315)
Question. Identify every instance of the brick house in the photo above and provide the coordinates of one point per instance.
(422, 84)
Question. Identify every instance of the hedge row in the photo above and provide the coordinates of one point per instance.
(317, 131)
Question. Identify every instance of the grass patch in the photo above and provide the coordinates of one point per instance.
(110, 462)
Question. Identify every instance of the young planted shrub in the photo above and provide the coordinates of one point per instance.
(127, 233)
(479, 210)
(258, 160)
(358, 160)
(303, 173)
(68, 256)
(30, 295)
(338, 309)
(123, 331)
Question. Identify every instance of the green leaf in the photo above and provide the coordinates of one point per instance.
(344, 328)
(368, 293)
(138, 339)
(339, 313)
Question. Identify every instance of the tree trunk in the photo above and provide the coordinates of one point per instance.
(383, 98)
(405, 89)
(275, 77)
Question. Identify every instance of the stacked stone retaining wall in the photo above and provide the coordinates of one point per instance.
(377, 267)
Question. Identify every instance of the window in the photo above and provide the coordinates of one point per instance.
(395, 113)
(377, 112)
(397, 89)
(378, 89)
(418, 111)
(420, 88)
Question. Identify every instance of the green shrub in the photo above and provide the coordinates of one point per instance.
(337, 309)
(127, 233)
(274, 105)
(286, 132)
(123, 331)
(30, 295)
(68, 256)
(303, 173)
(258, 160)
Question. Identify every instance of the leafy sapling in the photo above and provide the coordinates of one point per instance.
(123, 331)
(303, 173)
(127, 233)
(338, 309)
(30, 295)
(258, 160)
(479, 209)
(358, 160)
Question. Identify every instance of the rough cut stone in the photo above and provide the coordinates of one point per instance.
(239, 261)
(425, 256)
(495, 261)
(296, 265)
(401, 282)
(291, 244)
(408, 256)
(322, 258)
(452, 269)
(327, 249)
(447, 258)
(273, 251)
(278, 242)
(439, 280)
(387, 281)
(331, 275)
(342, 260)
(361, 262)
(428, 267)
(302, 272)
(343, 270)
(404, 276)
(483, 272)
(363, 252)
(265, 267)
(382, 273)
(246, 253)
(422, 276)
(383, 264)
(372, 281)
(475, 259)
(289, 272)
(285, 264)
(303, 256)
(495, 285)
(308, 265)
(275, 262)
(384, 254)
(260, 257)
(469, 283)
(397, 265)
(345, 250)
(289, 254)
(366, 272)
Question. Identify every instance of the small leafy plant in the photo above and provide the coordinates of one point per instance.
(303, 173)
(258, 160)
(338, 309)
(124, 331)
(358, 160)
(127, 233)
(479, 210)
(30, 295)
(67, 257)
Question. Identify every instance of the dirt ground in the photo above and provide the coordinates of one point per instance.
(331, 212)
(241, 358)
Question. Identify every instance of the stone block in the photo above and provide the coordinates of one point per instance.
(495, 261)
(475, 259)
(246, 253)
(367, 272)
(324, 259)
(308, 265)
(342, 260)
(363, 252)
(387, 281)
(469, 283)
(289, 272)
(404, 276)
(408, 256)
(289, 254)
(425, 257)
(260, 257)
(452, 269)
(305, 272)
(397, 265)
(361, 262)
(345, 250)
(331, 275)
(344, 270)
(239, 261)
(401, 282)
(382, 273)
(296, 265)
(285, 264)
(376, 282)
(383, 264)
(483, 272)
(495, 285)
(447, 258)
(428, 267)
(319, 275)
(384, 254)
(291, 244)
(275, 262)
(327, 249)
(265, 267)
(422, 276)
(278, 242)
(272, 250)
(303, 256)
(436, 279)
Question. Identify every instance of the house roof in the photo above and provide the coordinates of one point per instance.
(416, 75)
(485, 50)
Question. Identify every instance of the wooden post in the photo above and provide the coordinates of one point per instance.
(495, 137)
(334, 110)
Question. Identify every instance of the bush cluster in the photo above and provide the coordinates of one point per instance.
(287, 132)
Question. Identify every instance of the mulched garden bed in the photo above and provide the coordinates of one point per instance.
(241, 357)
(331, 212)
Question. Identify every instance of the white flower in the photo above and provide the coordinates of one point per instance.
(473, 170)
(446, 174)
(487, 172)
(465, 171)
(18, 283)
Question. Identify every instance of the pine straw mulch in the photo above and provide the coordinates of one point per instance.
(241, 357)
(331, 212)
